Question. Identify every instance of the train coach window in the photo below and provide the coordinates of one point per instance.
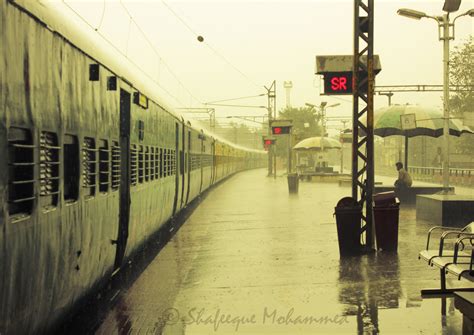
(167, 162)
(89, 165)
(164, 157)
(147, 163)
(151, 160)
(172, 162)
(115, 182)
(104, 166)
(49, 169)
(141, 165)
(71, 167)
(133, 164)
(162, 162)
(157, 163)
(21, 165)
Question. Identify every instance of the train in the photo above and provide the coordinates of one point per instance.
(93, 163)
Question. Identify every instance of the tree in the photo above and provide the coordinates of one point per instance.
(306, 123)
(462, 103)
(301, 116)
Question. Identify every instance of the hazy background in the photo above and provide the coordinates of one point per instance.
(249, 44)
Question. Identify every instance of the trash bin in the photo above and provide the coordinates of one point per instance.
(293, 182)
(386, 207)
(348, 221)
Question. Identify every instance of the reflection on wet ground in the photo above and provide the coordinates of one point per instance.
(253, 259)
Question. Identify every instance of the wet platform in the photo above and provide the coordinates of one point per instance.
(253, 259)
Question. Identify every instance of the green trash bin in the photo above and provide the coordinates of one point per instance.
(348, 221)
(293, 182)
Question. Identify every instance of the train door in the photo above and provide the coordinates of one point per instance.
(188, 166)
(176, 188)
(124, 190)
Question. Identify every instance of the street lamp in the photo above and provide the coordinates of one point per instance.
(444, 34)
(322, 115)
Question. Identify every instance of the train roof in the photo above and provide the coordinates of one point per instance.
(56, 15)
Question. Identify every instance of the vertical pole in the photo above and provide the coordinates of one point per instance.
(355, 104)
(270, 152)
(289, 151)
(446, 101)
(271, 101)
(370, 241)
(363, 94)
(342, 157)
(406, 153)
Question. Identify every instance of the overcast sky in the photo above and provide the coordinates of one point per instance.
(271, 40)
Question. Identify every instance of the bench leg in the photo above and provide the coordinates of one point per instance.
(442, 275)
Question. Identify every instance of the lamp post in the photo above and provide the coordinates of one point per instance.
(322, 115)
(445, 33)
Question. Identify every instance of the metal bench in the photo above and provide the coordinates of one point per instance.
(463, 269)
(453, 255)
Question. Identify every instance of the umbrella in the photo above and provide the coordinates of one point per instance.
(427, 122)
(317, 143)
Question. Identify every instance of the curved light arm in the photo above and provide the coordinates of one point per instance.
(416, 15)
(470, 12)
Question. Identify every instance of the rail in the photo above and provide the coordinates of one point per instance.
(458, 176)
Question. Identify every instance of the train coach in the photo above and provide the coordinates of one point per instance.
(92, 164)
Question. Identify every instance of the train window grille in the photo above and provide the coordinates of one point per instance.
(151, 159)
(209, 160)
(157, 163)
(89, 166)
(104, 166)
(195, 161)
(168, 162)
(147, 163)
(71, 168)
(163, 162)
(21, 164)
(141, 164)
(172, 162)
(49, 169)
(133, 164)
(115, 151)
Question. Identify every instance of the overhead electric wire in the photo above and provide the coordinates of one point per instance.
(156, 51)
(224, 105)
(143, 71)
(102, 17)
(241, 98)
(217, 53)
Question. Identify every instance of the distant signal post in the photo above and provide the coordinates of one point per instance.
(283, 127)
